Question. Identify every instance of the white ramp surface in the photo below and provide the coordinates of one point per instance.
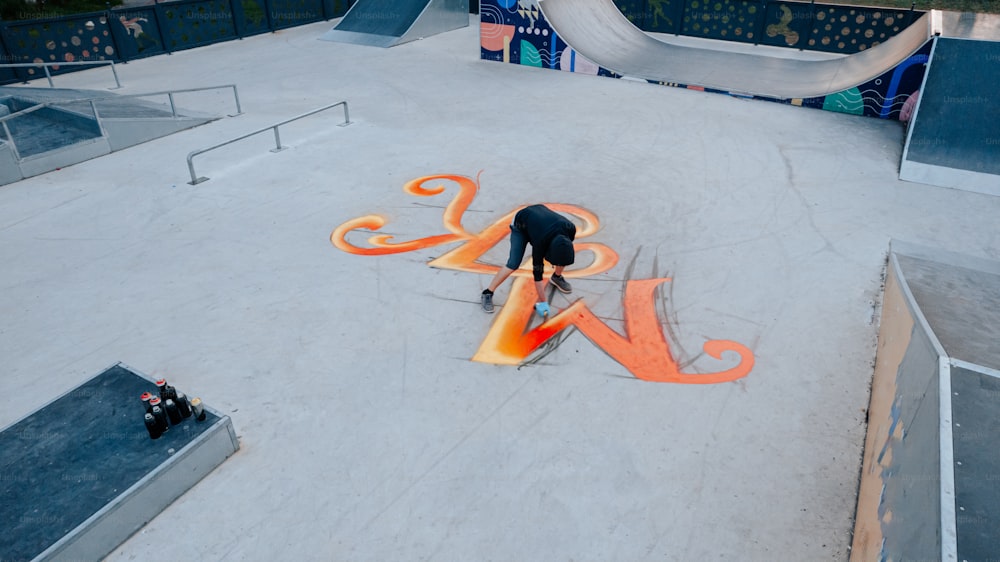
(600, 32)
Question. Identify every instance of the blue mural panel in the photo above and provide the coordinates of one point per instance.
(82, 37)
(729, 20)
(136, 32)
(850, 29)
(289, 13)
(188, 24)
(657, 16)
(788, 24)
(251, 18)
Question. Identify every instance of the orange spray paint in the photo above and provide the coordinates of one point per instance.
(643, 349)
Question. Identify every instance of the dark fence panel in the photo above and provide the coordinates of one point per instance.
(658, 16)
(290, 13)
(337, 8)
(8, 75)
(193, 23)
(252, 17)
(81, 37)
(137, 32)
(729, 20)
(849, 29)
(787, 25)
(129, 33)
(802, 25)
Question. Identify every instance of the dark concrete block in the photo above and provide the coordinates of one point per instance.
(80, 475)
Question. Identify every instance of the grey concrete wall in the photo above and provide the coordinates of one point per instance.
(9, 170)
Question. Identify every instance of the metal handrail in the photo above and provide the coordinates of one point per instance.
(195, 180)
(48, 75)
(169, 93)
(93, 105)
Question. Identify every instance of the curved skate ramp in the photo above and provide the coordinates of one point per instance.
(386, 23)
(600, 32)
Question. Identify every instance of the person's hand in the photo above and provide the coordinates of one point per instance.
(542, 309)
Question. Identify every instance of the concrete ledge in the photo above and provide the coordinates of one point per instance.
(85, 474)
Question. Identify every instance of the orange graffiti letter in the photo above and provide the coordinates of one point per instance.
(643, 350)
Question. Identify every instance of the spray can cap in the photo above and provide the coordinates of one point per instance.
(146, 396)
(154, 401)
(161, 383)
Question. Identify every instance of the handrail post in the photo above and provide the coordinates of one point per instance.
(115, 72)
(236, 96)
(277, 141)
(48, 75)
(173, 108)
(195, 180)
(347, 116)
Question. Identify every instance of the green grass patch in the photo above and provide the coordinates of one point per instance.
(981, 6)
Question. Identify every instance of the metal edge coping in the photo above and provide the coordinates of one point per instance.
(975, 368)
(936, 22)
(949, 523)
(57, 398)
(911, 303)
(946, 257)
(916, 111)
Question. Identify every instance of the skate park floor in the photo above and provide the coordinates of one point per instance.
(366, 431)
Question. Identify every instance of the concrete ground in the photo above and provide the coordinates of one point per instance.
(366, 431)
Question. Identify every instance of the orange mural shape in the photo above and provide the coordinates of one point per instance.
(496, 37)
(643, 349)
(381, 243)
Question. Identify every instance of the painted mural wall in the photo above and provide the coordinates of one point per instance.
(515, 32)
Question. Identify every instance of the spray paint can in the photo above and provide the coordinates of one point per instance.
(173, 412)
(167, 392)
(198, 409)
(145, 402)
(183, 404)
(152, 426)
(159, 414)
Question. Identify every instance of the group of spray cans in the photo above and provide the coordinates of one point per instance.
(171, 407)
